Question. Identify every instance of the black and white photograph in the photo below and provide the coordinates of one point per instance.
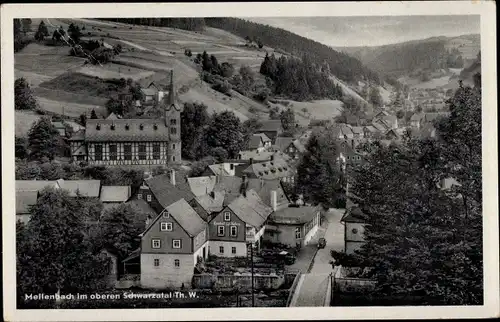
(160, 157)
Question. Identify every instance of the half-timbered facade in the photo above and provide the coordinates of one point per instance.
(115, 141)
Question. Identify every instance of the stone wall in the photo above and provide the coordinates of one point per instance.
(261, 282)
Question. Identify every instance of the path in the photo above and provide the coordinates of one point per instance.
(312, 287)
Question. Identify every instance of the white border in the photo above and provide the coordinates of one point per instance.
(490, 163)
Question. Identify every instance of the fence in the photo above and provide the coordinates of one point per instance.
(261, 282)
(292, 289)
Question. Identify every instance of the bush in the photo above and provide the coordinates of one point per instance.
(223, 87)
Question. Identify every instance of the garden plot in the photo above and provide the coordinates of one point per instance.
(110, 71)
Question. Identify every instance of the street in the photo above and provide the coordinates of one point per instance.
(311, 290)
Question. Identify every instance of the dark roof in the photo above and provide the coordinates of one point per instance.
(354, 215)
(200, 210)
(294, 215)
(264, 187)
(269, 170)
(115, 193)
(166, 193)
(270, 125)
(78, 136)
(251, 209)
(187, 217)
(152, 130)
(231, 186)
(255, 142)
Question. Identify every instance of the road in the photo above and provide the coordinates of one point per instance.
(312, 287)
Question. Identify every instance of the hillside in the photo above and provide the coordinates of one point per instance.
(411, 57)
(64, 84)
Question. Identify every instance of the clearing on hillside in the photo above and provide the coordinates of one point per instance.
(114, 71)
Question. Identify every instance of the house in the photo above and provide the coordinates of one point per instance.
(171, 246)
(390, 121)
(112, 196)
(239, 223)
(271, 128)
(60, 127)
(293, 226)
(226, 168)
(348, 150)
(432, 117)
(259, 142)
(282, 143)
(202, 185)
(346, 131)
(354, 227)
(416, 119)
(114, 141)
(295, 149)
(392, 134)
(230, 186)
(270, 192)
(255, 155)
(271, 170)
(380, 114)
(27, 192)
(357, 132)
(152, 94)
(369, 131)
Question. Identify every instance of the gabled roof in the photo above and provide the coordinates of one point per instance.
(33, 185)
(116, 130)
(231, 186)
(202, 185)
(370, 128)
(218, 169)
(417, 117)
(379, 127)
(263, 136)
(112, 116)
(25, 199)
(255, 155)
(142, 207)
(294, 215)
(281, 143)
(78, 136)
(86, 188)
(255, 142)
(149, 91)
(58, 125)
(213, 202)
(353, 215)
(250, 209)
(346, 129)
(264, 187)
(115, 193)
(186, 216)
(299, 146)
(166, 193)
(270, 125)
(269, 170)
(357, 129)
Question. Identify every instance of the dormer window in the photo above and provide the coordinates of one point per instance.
(127, 127)
(98, 127)
(155, 127)
(112, 127)
(141, 127)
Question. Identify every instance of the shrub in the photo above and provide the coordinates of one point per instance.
(223, 87)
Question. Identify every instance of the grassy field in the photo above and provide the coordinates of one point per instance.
(110, 71)
(314, 110)
(34, 79)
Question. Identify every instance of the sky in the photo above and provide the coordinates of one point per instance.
(374, 31)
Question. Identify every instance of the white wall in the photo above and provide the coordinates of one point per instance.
(350, 235)
(241, 248)
(166, 275)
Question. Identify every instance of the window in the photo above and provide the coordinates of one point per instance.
(231, 166)
(142, 151)
(173, 121)
(148, 198)
(173, 130)
(234, 231)
(348, 157)
(98, 152)
(173, 146)
(359, 158)
(80, 158)
(112, 152)
(176, 243)
(156, 151)
(221, 249)
(220, 230)
(173, 158)
(227, 216)
(156, 262)
(155, 243)
(354, 231)
(127, 152)
(139, 196)
(177, 263)
(298, 233)
(233, 250)
(166, 226)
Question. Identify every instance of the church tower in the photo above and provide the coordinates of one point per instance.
(173, 123)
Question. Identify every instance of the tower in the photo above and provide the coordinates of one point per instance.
(173, 123)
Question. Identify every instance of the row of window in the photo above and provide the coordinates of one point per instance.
(156, 262)
(354, 158)
(156, 243)
(148, 197)
(221, 231)
(221, 250)
(127, 151)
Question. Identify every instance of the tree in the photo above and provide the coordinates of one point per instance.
(194, 119)
(226, 70)
(23, 95)
(439, 230)
(43, 140)
(58, 34)
(53, 252)
(21, 148)
(219, 153)
(260, 44)
(319, 176)
(274, 113)
(42, 31)
(198, 167)
(249, 127)
(375, 97)
(247, 78)
(224, 131)
(119, 229)
(93, 115)
(74, 33)
(287, 118)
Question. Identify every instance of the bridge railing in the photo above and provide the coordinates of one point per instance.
(293, 289)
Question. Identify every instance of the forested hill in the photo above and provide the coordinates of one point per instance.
(426, 54)
(342, 65)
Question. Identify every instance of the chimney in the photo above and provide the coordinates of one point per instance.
(274, 200)
(172, 177)
(251, 160)
(272, 157)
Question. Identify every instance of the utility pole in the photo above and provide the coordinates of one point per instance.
(251, 258)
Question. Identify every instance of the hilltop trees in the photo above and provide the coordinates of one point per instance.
(43, 140)
(42, 32)
(23, 95)
(299, 79)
